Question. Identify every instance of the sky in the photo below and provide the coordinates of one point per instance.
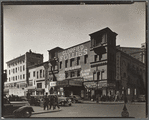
(44, 27)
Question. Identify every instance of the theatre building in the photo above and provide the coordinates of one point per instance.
(88, 68)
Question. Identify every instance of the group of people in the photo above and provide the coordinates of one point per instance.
(51, 101)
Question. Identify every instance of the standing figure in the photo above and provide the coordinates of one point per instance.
(52, 102)
(56, 102)
(46, 101)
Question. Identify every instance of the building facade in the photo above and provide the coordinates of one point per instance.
(17, 72)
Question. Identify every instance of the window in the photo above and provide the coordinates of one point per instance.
(98, 75)
(13, 78)
(128, 91)
(85, 59)
(66, 63)
(135, 91)
(60, 65)
(9, 72)
(29, 74)
(78, 60)
(71, 62)
(78, 73)
(43, 73)
(66, 74)
(72, 74)
(23, 76)
(39, 85)
(16, 70)
(37, 74)
(40, 73)
(13, 70)
(34, 74)
(16, 77)
(20, 77)
(20, 68)
(95, 58)
(23, 67)
(9, 79)
(124, 75)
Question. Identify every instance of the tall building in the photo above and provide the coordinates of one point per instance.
(17, 72)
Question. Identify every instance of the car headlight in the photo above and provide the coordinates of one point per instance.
(69, 100)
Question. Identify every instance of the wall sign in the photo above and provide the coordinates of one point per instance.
(72, 68)
(73, 52)
(52, 84)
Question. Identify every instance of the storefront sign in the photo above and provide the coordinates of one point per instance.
(52, 84)
(73, 52)
(75, 83)
(72, 68)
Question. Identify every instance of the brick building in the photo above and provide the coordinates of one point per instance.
(17, 72)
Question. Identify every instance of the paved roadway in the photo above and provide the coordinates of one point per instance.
(136, 110)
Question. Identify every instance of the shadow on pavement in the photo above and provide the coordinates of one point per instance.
(46, 111)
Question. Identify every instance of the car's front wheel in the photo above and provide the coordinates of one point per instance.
(27, 113)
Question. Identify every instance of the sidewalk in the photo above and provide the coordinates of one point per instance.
(39, 110)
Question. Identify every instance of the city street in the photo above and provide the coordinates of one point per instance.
(136, 110)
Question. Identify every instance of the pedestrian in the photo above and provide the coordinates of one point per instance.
(46, 101)
(52, 102)
(56, 102)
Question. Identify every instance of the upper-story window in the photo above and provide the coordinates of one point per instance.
(71, 62)
(20, 68)
(9, 72)
(66, 63)
(39, 85)
(37, 74)
(78, 73)
(16, 77)
(85, 59)
(23, 67)
(34, 74)
(29, 75)
(23, 76)
(66, 74)
(43, 73)
(13, 70)
(60, 64)
(40, 73)
(78, 60)
(72, 74)
(95, 58)
(16, 70)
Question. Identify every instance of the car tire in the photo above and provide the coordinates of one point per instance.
(27, 113)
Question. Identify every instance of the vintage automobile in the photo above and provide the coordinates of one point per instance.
(76, 99)
(64, 100)
(16, 109)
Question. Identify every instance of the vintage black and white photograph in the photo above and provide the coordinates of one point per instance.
(74, 60)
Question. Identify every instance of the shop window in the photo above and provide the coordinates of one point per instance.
(128, 91)
(40, 73)
(60, 65)
(85, 59)
(78, 60)
(66, 63)
(39, 85)
(72, 74)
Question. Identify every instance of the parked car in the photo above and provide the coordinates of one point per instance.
(141, 98)
(17, 108)
(64, 100)
(76, 99)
